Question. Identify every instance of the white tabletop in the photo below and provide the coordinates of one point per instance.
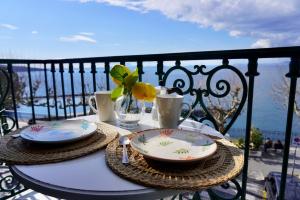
(89, 177)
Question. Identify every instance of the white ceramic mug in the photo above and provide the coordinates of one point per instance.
(159, 90)
(169, 108)
(105, 106)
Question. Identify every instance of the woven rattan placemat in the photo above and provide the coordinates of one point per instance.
(224, 165)
(17, 151)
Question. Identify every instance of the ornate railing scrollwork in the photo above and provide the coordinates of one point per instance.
(218, 89)
(4, 88)
(222, 89)
(4, 85)
(4, 119)
(9, 183)
(9, 186)
(180, 83)
(213, 195)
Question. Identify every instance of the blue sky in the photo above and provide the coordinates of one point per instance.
(85, 28)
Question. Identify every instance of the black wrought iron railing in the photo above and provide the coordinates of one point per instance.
(201, 94)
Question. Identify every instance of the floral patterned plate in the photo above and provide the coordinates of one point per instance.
(173, 145)
(58, 131)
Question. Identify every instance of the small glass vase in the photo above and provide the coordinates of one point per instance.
(128, 110)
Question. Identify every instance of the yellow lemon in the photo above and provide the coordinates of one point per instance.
(150, 93)
(138, 90)
(144, 91)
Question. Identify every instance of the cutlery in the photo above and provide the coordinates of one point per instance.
(124, 140)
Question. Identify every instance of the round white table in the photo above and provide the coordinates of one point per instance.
(89, 177)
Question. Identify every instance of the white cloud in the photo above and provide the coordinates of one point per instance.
(77, 38)
(261, 43)
(130, 4)
(235, 33)
(34, 32)
(275, 20)
(87, 33)
(9, 26)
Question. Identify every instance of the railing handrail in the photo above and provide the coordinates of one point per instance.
(275, 52)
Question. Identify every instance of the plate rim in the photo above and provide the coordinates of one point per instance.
(165, 159)
(60, 141)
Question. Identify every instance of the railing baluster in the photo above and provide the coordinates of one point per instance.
(71, 71)
(94, 71)
(61, 70)
(31, 95)
(294, 73)
(106, 71)
(47, 90)
(10, 71)
(252, 72)
(160, 71)
(54, 89)
(81, 71)
(140, 69)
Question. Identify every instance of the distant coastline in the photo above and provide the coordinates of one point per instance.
(17, 68)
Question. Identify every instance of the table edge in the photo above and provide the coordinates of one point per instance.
(69, 193)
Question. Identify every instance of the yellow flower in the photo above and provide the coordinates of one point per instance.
(144, 91)
(127, 83)
(151, 93)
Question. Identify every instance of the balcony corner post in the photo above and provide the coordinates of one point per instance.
(252, 67)
(293, 74)
(251, 73)
(294, 68)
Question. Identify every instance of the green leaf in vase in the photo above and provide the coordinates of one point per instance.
(117, 92)
(131, 79)
(125, 91)
(119, 72)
